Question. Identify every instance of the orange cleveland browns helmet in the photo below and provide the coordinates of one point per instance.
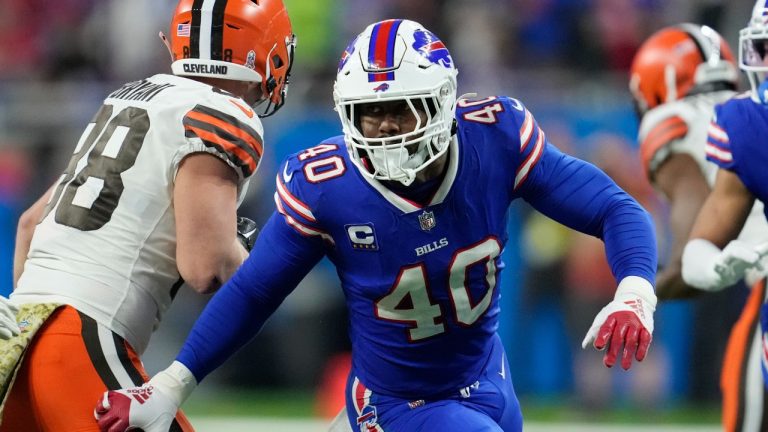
(244, 40)
(680, 61)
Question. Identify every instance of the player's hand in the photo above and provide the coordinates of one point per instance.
(733, 262)
(708, 268)
(247, 231)
(8, 325)
(145, 408)
(151, 407)
(627, 322)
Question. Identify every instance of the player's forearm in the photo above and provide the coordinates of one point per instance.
(669, 281)
(630, 240)
(25, 229)
(24, 233)
(208, 269)
(229, 263)
(279, 261)
(670, 284)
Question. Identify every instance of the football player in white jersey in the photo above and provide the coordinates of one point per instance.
(678, 76)
(148, 202)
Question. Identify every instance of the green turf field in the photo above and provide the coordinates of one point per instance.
(286, 411)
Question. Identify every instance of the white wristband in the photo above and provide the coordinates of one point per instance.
(635, 285)
(698, 265)
(176, 382)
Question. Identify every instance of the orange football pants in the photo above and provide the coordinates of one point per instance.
(734, 382)
(69, 364)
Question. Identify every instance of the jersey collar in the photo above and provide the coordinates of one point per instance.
(408, 206)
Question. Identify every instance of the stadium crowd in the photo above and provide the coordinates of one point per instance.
(568, 59)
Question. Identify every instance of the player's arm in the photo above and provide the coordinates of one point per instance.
(24, 231)
(580, 196)
(704, 264)
(280, 259)
(680, 179)
(205, 203)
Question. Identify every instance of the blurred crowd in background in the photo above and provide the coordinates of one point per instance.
(567, 60)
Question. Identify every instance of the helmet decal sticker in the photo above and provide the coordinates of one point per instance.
(432, 48)
(183, 30)
(250, 60)
(348, 51)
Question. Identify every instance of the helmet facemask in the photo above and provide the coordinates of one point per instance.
(400, 157)
(278, 73)
(753, 50)
(424, 80)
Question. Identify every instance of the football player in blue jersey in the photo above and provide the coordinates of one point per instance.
(410, 205)
(714, 258)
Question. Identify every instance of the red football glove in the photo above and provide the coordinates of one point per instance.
(626, 321)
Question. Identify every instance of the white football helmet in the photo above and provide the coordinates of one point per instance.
(397, 60)
(753, 43)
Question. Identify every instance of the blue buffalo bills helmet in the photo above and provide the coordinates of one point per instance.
(396, 60)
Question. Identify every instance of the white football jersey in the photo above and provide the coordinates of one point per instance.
(107, 241)
(681, 127)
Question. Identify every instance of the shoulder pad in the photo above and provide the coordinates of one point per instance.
(512, 129)
(227, 132)
(489, 110)
(298, 182)
(663, 125)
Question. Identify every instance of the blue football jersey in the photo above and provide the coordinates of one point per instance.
(421, 282)
(736, 142)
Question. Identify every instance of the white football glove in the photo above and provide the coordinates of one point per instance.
(8, 325)
(151, 407)
(708, 268)
(626, 321)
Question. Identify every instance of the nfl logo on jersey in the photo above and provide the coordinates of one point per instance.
(427, 220)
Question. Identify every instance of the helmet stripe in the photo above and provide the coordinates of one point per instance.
(206, 25)
(217, 30)
(694, 34)
(381, 49)
(194, 37)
